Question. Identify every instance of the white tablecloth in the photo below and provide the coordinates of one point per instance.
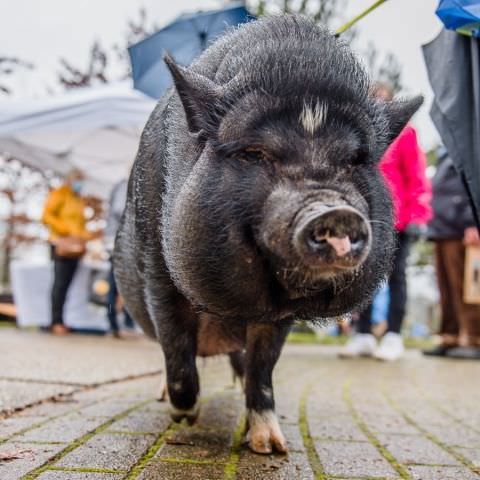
(31, 284)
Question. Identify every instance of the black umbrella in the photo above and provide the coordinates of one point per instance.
(453, 65)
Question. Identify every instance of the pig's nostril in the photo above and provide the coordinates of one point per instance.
(316, 243)
(359, 246)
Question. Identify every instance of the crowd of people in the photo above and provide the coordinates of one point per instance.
(439, 211)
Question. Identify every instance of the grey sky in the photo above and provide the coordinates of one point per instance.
(41, 31)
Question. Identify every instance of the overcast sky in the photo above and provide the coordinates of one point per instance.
(41, 31)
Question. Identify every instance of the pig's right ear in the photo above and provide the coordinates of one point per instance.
(201, 99)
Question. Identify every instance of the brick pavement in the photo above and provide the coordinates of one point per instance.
(416, 419)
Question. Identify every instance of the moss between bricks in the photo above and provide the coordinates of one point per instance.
(187, 461)
(464, 461)
(371, 437)
(137, 469)
(85, 470)
(343, 477)
(230, 471)
(312, 455)
(80, 441)
(151, 452)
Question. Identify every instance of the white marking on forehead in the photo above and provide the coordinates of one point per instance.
(313, 117)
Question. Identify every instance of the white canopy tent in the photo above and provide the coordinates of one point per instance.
(96, 130)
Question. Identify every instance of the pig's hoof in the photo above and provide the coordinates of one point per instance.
(190, 415)
(264, 434)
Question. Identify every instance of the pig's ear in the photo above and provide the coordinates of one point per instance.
(398, 113)
(201, 98)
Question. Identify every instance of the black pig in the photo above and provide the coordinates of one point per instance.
(255, 199)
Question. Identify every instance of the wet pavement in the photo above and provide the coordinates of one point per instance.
(85, 408)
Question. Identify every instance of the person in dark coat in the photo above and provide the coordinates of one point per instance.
(451, 229)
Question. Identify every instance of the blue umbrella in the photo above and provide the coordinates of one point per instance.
(460, 14)
(184, 39)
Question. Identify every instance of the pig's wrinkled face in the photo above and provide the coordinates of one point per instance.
(317, 173)
(287, 212)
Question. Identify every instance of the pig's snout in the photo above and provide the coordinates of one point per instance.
(337, 236)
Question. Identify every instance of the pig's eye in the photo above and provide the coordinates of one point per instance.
(253, 155)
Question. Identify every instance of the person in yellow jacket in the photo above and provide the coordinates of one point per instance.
(64, 215)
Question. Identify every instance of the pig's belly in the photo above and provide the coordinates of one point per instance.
(215, 338)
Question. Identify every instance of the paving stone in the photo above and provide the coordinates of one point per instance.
(211, 437)
(91, 359)
(15, 395)
(425, 415)
(143, 420)
(287, 406)
(33, 456)
(64, 429)
(471, 454)
(352, 459)
(108, 408)
(116, 452)
(410, 449)
(328, 414)
(198, 444)
(159, 407)
(59, 475)
(456, 434)
(156, 470)
(388, 423)
(339, 427)
(12, 425)
(293, 437)
(51, 409)
(222, 411)
(274, 467)
(442, 473)
(325, 406)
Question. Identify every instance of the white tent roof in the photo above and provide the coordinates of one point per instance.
(94, 129)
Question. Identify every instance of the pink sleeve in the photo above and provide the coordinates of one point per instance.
(418, 188)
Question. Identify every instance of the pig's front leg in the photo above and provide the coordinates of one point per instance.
(264, 344)
(179, 343)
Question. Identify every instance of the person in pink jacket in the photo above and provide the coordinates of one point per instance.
(403, 167)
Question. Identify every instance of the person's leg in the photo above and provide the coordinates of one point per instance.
(364, 324)
(362, 343)
(64, 270)
(448, 276)
(448, 317)
(398, 285)
(111, 300)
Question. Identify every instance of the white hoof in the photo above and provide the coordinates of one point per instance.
(264, 434)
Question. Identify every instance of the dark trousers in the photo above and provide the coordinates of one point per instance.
(112, 311)
(63, 272)
(397, 284)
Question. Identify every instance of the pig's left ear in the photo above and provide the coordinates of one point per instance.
(201, 98)
(398, 113)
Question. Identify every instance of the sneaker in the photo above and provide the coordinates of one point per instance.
(438, 351)
(466, 353)
(360, 345)
(390, 348)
